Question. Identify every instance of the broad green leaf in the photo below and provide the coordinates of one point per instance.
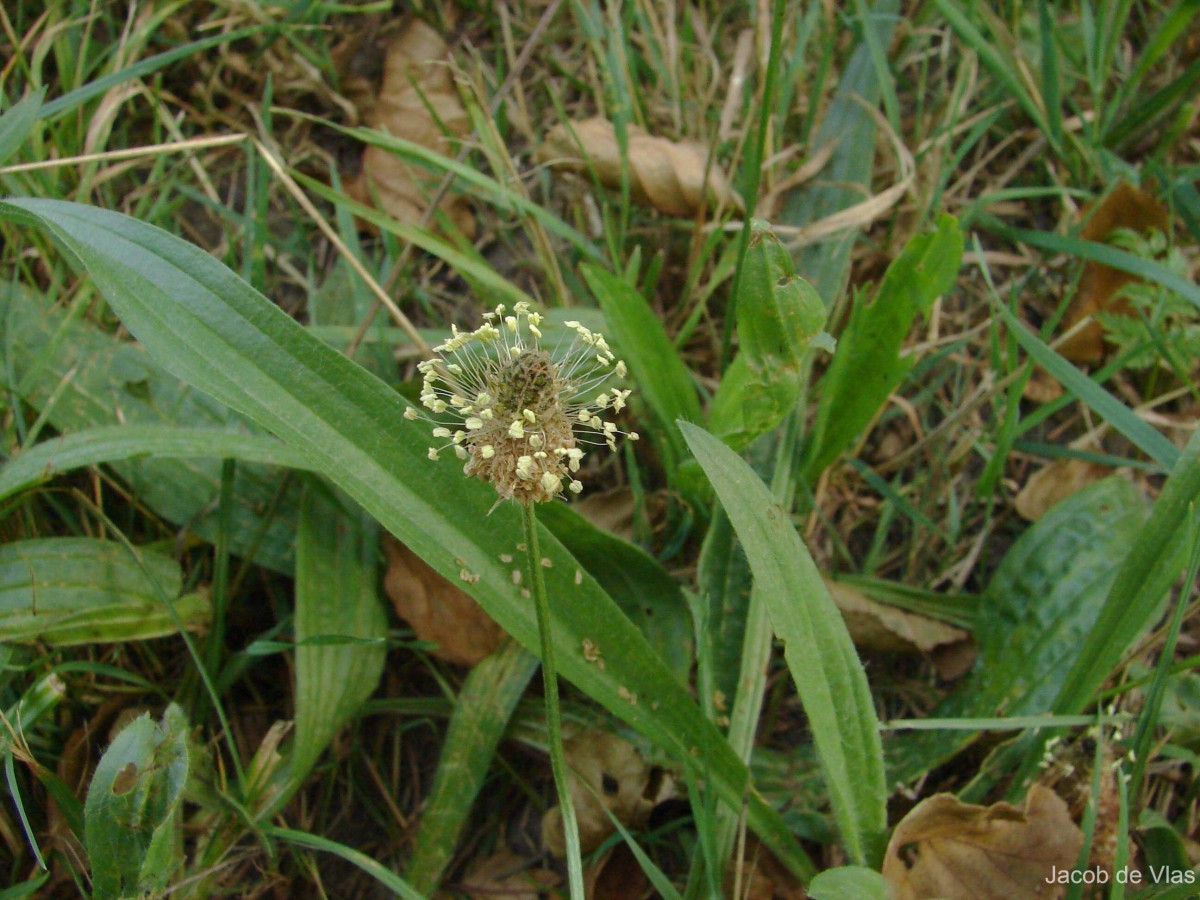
(779, 316)
(778, 312)
(1151, 566)
(742, 409)
(17, 122)
(849, 124)
(1043, 598)
(83, 590)
(823, 662)
(639, 338)
(724, 582)
(867, 365)
(849, 883)
(481, 714)
(116, 443)
(133, 841)
(337, 594)
(210, 328)
(644, 590)
(87, 378)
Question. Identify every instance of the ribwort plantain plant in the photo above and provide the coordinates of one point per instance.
(517, 413)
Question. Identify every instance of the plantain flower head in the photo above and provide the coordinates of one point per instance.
(516, 412)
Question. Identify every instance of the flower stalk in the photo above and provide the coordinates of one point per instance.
(558, 761)
(519, 415)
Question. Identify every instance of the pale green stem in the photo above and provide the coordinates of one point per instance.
(558, 762)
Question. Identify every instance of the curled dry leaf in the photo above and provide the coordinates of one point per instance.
(1125, 207)
(877, 626)
(503, 874)
(437, 610)
(673, 177)
(417, 101)
(957, 851)
(1055, 483)
(606, 773)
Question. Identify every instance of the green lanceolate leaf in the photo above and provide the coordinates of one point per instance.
(337, 595)
(133, 841)
(778, 312)
(867, 365)
(1045, 595)
(83, 378)
(1154, 561)
(823, 662)
(779, 315)
(214, 331)
(17, 122)
(640, 340)
(849, 883)
(481, 714)
(84, 590)
(644, 590)
(117, 443)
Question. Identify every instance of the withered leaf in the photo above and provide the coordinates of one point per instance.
(617, 779)
(1125, 207)
(1054, 483)
(417, 101)
(958, 851)
(877, 626)
(437, 610)
(503, 874)
(674, 177)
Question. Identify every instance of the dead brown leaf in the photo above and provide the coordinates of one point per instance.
(616, 778)
(1042, 387)
(417, 101)
(888, 629)
(504, 874)
(616, 876)
(759, 875)
(957, 851)
(673, 177)
(1054, 483)
(610, 510)
(437, 610)
(1124, 207)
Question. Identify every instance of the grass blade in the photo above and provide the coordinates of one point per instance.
(376, 870)
(823, 662)
(1148, 438)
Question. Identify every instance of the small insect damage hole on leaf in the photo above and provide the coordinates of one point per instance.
(126, 780)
